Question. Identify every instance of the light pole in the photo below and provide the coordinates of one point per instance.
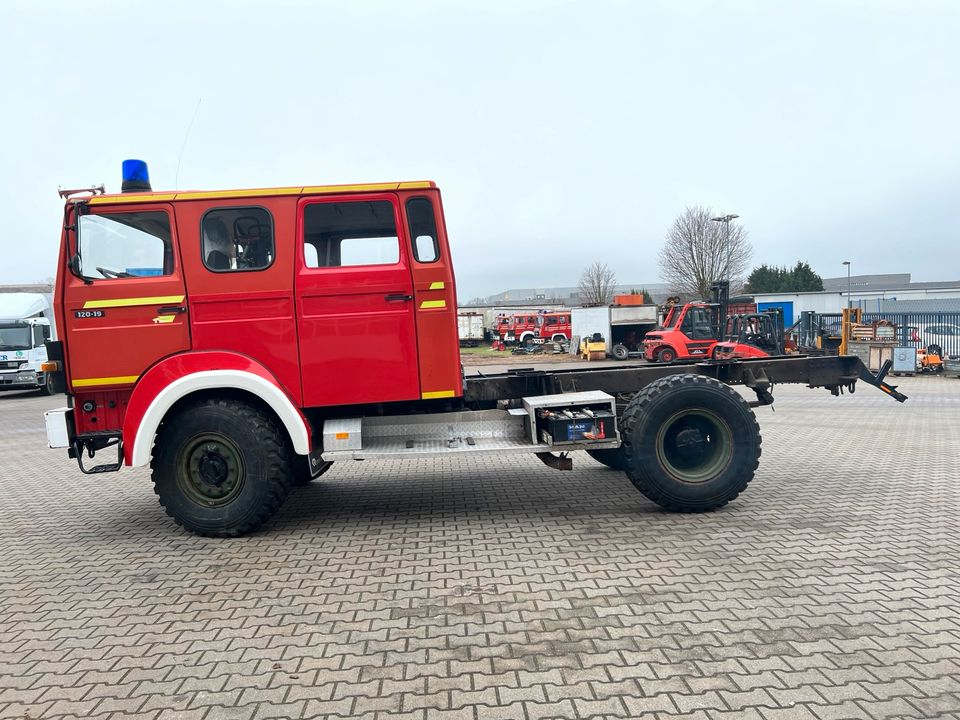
(725, 219)
(849, 303)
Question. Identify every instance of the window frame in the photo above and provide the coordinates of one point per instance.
(413, 237)
(403, 258)
(273, 238)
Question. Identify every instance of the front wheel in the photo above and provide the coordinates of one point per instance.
(690, 443)
(221, 467)
(47, 388)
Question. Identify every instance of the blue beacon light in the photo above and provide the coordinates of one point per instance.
(136, 177)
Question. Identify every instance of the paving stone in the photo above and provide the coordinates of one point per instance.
(495, 588)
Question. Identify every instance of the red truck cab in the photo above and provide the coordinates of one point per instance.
(553, 326)
(524, 328)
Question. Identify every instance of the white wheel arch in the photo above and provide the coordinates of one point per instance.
(210, 380)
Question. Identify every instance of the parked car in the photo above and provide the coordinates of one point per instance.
(946, 335)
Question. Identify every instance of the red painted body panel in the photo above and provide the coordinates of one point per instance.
(729, 350)
(437, 334)
(250, 312)
(173, 368)
(356, 345)
(123, 341)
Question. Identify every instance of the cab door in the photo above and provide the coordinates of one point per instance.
(355, 302)
(129, 308)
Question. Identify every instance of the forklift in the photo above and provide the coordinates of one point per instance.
(752, 335)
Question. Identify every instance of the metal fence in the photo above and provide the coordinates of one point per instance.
(914, 329)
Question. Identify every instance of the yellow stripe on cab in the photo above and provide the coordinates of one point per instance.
(434, 394)
(118, 380)
(134, 302)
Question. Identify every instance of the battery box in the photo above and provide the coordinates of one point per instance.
(575, 425)
(572, 419)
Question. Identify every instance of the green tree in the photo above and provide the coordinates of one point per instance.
(804, 279)
(771, 279)
(765, 279)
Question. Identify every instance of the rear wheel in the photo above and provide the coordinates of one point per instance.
(690, 443)
(666, 355)
(221, 467)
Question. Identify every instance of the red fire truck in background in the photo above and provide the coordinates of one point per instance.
(240, 342)
(553, 326)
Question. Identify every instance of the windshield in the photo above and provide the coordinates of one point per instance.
(15, 337)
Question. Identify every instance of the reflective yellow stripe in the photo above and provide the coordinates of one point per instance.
(133, 302)
(210, 194)
(437, 285)
(427, 304)
(130, 198)
(258, 192)
(437, 394)
(119, 380)
(162, 319)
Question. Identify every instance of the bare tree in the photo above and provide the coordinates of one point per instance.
(597, 284)
(699, 251)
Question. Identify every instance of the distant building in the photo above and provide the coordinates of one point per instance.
(560, 296)
(873, 293)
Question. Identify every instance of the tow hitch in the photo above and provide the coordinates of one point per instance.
(878, 381)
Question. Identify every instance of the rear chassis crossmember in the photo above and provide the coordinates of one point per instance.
(834, 372)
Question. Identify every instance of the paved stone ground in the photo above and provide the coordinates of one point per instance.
(501, 589)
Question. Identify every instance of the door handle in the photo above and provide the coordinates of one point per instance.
(171, 310)
(398, 297)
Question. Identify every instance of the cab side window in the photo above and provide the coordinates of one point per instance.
(423, 230)
(237, 239)
(125, 245)
(350, 234)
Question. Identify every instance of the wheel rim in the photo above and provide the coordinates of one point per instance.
(694, 445)
(666, 356)
(210, 469)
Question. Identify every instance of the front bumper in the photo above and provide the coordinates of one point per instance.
(20, 380)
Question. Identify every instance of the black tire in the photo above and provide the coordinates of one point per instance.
(612, 458)
(690, 443)
(47, 387)
(528, 341)
(666, 355)
(620, 352)
(221, 467)
(301, 470)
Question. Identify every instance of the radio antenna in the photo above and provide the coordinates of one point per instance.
(176, 181)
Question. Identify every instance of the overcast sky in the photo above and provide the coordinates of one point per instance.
(559, 132)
